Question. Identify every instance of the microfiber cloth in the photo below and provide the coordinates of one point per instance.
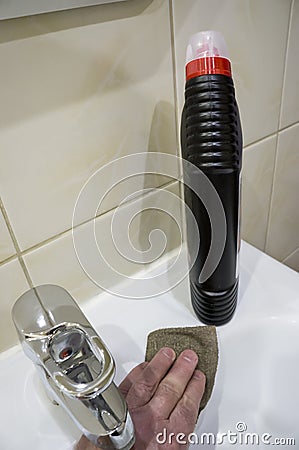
(202, 340)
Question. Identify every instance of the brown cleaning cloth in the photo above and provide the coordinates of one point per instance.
(202, 340)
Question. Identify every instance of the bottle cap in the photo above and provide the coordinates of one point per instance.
(207, 54)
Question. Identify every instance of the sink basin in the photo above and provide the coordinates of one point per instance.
(256, 385)
(255, 397)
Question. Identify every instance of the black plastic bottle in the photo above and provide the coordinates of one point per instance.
(211, 139)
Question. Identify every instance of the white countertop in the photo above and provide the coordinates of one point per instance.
(257, 359)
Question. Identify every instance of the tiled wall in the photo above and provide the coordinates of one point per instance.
(81, 88)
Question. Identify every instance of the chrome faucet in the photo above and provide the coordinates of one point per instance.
(75, 365)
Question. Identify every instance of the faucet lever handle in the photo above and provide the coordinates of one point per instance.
(99, 362)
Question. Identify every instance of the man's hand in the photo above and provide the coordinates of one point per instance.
(163, 396)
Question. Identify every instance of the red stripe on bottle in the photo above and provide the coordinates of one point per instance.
(207, 66)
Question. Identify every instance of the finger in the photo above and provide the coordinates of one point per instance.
(186, 411)
(84, 444)
(146, 384)
(132, 376)
(172, 387)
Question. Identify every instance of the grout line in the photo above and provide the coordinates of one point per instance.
(7, 260)
(176, 114)
(65, 232)
(285, 62)
(293, 124)
(16, 245)
(271, 196)
(277, 138)
(174, 77)
(257, 141)
(267, 136)
(48, 240)
(290, 255)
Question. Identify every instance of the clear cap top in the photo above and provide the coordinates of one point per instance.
(205, 44)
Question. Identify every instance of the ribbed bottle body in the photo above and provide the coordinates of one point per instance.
(211, 139)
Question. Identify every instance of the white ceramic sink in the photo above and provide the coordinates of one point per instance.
(256, 384)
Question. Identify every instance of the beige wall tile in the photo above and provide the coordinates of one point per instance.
(27, 8)
(290, 110)
(283, 236)
(257, 178)
(256, 36)
(13, 284)
(78, 90)
(6, 245)
(293, 260)
(57, 263)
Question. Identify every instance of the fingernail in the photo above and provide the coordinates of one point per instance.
(199, 375)
(168, 352)
(189, 355)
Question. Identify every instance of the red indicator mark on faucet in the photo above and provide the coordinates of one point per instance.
(65, 353)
